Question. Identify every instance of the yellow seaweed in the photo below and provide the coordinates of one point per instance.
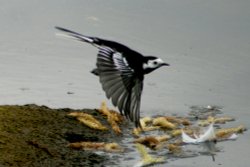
(146, 158)
(174, 148)
(113, 117)
(163, 123)
(108, 147)
(182, 121)
(178, 132)
(219, 120)
(225, 133)
(153, 142)
(145, 121)
(113, 124)
(88, 120)
(137, 131)
(145, 126)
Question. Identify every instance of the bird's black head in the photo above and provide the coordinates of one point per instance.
(151, 63)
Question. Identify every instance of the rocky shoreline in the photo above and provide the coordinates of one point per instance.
(32, 135)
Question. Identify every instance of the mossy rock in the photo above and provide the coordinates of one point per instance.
(32, 135)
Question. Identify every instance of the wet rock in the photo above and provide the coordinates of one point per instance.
(32, 135)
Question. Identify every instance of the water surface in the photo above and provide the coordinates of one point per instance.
(206, 43)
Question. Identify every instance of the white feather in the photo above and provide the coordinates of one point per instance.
(208, 135)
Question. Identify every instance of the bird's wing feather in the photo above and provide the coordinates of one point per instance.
(77, 36)
(118, 79)
(120, 82)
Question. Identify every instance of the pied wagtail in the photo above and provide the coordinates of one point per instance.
(121, 71)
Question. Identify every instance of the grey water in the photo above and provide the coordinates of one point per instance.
(207, 44)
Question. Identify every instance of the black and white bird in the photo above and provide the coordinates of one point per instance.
(121, 71)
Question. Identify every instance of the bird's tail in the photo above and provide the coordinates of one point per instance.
(74, 35)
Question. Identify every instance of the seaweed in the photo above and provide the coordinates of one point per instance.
(32, 135)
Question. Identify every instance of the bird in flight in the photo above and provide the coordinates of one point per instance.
(121, 72)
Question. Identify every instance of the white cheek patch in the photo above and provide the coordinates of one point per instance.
(147, 65)
(159, 61)
(153, 64)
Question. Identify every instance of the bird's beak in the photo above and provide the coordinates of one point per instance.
(165, 64)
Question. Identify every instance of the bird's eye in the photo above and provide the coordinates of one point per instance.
(155, 63)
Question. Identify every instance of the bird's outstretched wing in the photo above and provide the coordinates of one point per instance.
(120, 83)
